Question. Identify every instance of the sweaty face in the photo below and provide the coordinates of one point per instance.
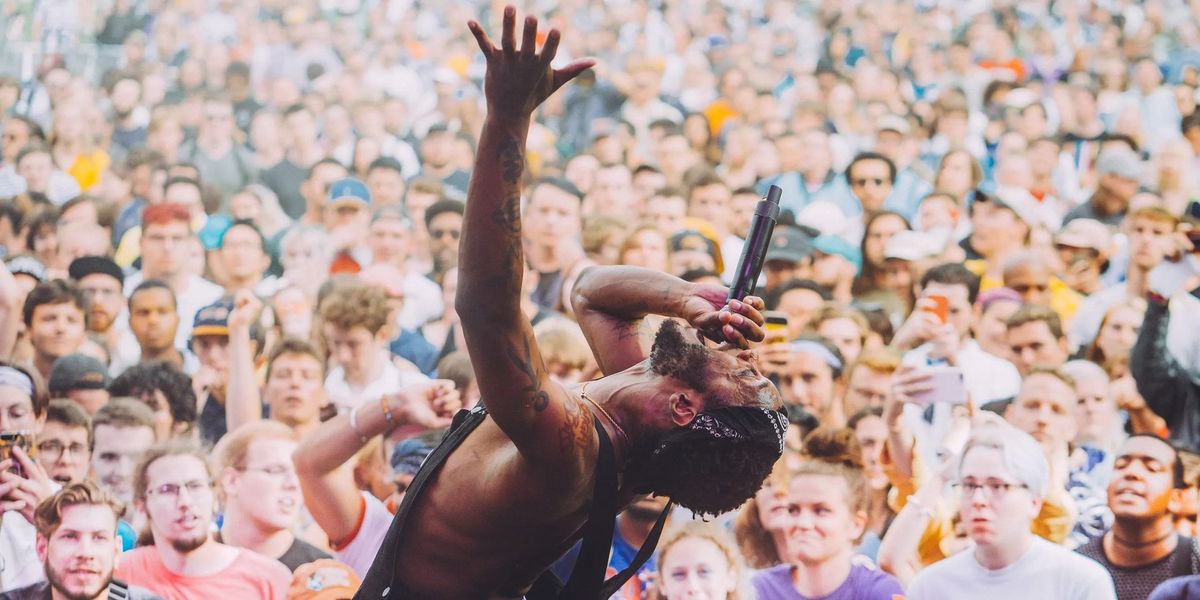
(80, 554)
(1143, 479)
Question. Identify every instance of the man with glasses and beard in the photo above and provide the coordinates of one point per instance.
(173, 491)
(78, 545)
(534, 468)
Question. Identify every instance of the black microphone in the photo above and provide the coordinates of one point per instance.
(766, 213)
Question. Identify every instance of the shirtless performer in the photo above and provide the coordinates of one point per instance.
(544, 466)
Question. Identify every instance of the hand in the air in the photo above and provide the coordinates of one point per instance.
(519, 79)
(246, 307)
(738, 323)
(430, 404)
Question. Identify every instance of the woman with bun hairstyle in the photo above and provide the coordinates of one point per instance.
(827, 503)
(698, 561)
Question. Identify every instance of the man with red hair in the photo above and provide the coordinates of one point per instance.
(170, 252)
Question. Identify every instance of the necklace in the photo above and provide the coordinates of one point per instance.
(583, 394)
(1132, 545)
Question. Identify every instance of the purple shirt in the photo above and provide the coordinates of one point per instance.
(863, 584)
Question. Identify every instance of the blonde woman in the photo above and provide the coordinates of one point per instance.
(699, 561)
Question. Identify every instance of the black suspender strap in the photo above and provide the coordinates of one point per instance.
(588, 575)
(613, 585)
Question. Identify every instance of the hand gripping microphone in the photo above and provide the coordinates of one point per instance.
(766, 212)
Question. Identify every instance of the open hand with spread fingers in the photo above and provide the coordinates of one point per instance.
(519, 78)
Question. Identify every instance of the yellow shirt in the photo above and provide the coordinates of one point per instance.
(88, 168)
(1064, 300)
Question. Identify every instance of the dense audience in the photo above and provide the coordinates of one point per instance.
(230, 236)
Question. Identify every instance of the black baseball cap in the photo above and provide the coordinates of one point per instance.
(789, 244)
(77, 372)
(92, 265)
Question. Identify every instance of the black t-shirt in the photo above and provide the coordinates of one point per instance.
(302, 553)
(284, 178)
(1136, 583)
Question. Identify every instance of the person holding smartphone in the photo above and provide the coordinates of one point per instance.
(23, 483)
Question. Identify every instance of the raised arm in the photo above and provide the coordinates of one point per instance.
(243, 404)
(610, 303)
(321, 459)
(511, 375)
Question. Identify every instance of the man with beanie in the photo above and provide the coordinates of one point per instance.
(102, 283)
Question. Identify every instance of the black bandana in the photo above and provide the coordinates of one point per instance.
(747, 424)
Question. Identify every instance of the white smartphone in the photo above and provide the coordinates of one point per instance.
(948, 386)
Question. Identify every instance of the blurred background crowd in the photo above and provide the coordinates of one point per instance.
(989, 221)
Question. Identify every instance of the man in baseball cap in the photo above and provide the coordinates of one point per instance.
(81, 378)
(1121, 172)
(348, 219)
(790, 256)
(1084, 246)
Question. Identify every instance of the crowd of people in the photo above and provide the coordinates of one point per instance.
(229, 334)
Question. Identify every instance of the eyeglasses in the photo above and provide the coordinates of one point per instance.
(441, 233)
(171, 490)
(860, 182)
(993, 489)
(53, 450)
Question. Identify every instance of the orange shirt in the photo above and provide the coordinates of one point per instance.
(250, 577)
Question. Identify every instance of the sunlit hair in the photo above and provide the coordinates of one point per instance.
(49, 513)
(359, 305)
(562, 342)
(712, 533)
(835, 452)
(1022, 455)
(231, 452)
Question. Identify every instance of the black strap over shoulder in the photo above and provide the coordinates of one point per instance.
(588, 575)
(1182, 562)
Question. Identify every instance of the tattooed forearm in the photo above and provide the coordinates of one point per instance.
(508, 215)
(511, 155)
(523, 361)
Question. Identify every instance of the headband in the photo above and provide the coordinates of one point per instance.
(819, 349)
(14, 378)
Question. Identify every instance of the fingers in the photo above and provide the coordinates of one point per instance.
(27, 465)
(550, 48)
(748, 310)
(571, 71)
(755, 302)
(735, 337)
(529, 36)
(508, 42)
(744, 325)
(481, 38)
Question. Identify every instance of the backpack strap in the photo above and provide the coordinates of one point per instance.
(1182, 563)
(614, 584)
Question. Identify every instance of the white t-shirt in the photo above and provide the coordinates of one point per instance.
(360, 551)
(1045, 571)
(19, 563)
(391, 380)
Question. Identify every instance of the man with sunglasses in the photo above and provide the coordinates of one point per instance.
(1143, 548)
(444, 221)
(871, 176)
(173, 492)
(1002, 481)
